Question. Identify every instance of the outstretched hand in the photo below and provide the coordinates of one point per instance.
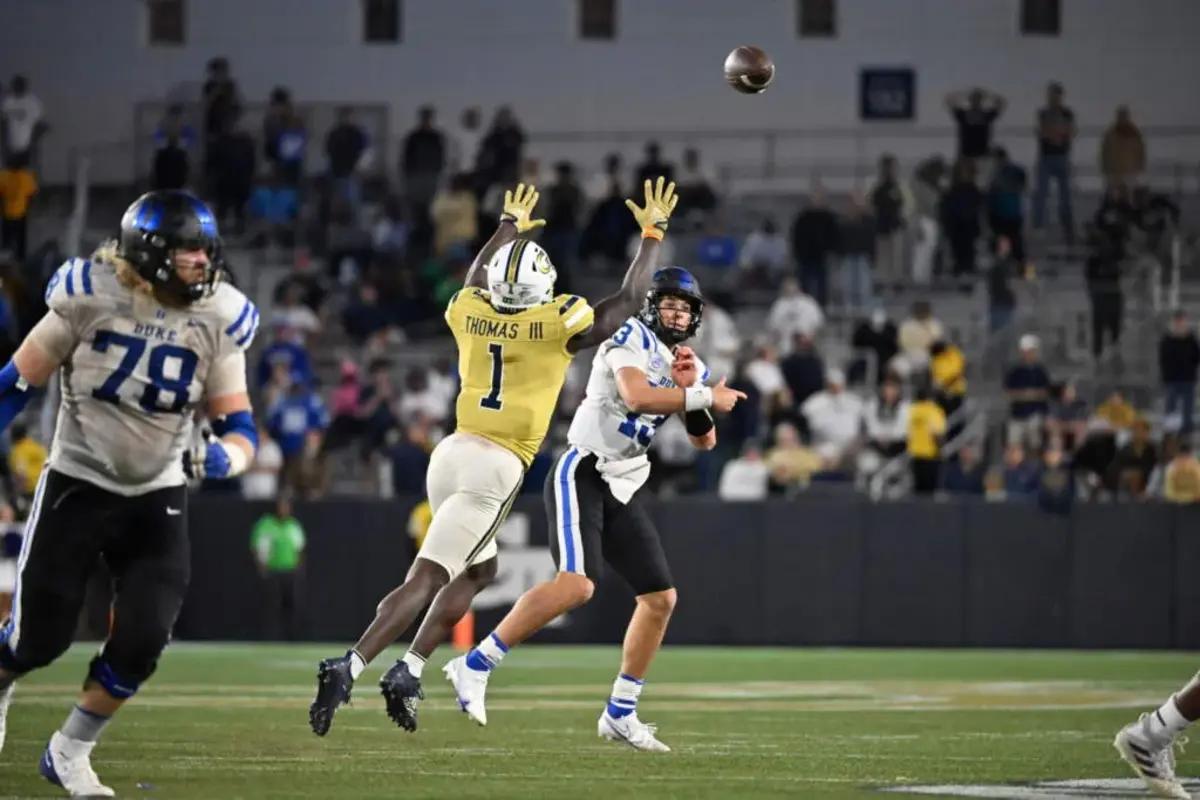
(660, 202)
(518, 208)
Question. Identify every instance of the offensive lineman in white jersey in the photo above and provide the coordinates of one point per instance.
(639, 377)
(143, 332)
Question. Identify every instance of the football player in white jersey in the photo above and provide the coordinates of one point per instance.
(1148, 745)
(144, 333)
(639, 377)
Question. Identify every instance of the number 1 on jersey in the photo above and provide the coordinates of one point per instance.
(493, 400)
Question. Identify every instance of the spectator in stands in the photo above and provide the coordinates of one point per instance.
(11, 536)
(410, 458)
(964, 473)
(764, 257)
(1056, 130)
(277, 542)
(1021, 475)
(455, 216)
(697, 186)
(1095, 455)
(563, 207)
(814, 240)
(1122, 151)
(173, 139)
(1178, 362)
(610, 226)
(856, 244)
(345, 145)
(653, 166)
(222, 102)
(745, 422)
(917, 335)
(232, 161)
(286, 353)
(1056, 482)
(273, 209)
(718, 338)
(764, 372)
(1129, 473)
(297, 422)
(601, 185)
(261, 480)
(1006, 203)
(1028, 387)
(744, 478)
(347, 423)
(422, 161)
(926, 427)
(948, 371)
(502, 150)
(275, 120)
(17, 188)
(975, 112)
(1181, 483)
(962, 215)
(376, 405)
(791, 465)
(293, 149)
(793, 312)
(291, 316)
(420, 400)
(1113, 221)
(1104, 290)
(26, 460)
(803, 370)
(390, 234)
(365, 321)
(929, 183)
(1002, 299)
(834, 418)
(22, 114)
(1118, 413)
(1067, 421)
(878, 335)
(892, 205)
(464, 141)
(885, 421)
(717, 249)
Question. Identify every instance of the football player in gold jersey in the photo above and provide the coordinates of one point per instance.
(515, 340)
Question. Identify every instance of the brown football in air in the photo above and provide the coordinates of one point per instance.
(749, 69)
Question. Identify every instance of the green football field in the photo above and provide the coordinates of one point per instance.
(230, 721)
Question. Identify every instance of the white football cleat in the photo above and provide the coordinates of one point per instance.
(470, 686)
(67, 763)
(5, 701)
(632, 731)
(1152, 759)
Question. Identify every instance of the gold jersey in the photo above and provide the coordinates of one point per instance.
(512, 366)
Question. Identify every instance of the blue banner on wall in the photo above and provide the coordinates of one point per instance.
(887, 93)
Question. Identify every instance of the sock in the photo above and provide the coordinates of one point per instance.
(83, 725)
(488, 655)
(416, 663)
(357, 664)
(625, 692)
(1167, 722)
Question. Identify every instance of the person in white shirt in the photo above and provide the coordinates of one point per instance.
(885, 420)
(718, 338)
(464, 141)
(21, 112)
(601, 185)
(834, 418)
(292, 315)
(765, 254)
(420, 399)
(794, 312)
(744, 478)
(917, 335)
(261, 481)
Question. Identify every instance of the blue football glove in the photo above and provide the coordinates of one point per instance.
(207, 460)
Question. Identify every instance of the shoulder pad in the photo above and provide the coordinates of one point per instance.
(71, 283)
(237, 316)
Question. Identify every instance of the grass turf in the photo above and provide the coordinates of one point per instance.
(230, 721)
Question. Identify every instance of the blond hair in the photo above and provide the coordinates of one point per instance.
(127, 274)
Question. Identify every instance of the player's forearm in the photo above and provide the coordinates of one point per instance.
(477, 275)
(612, 311)
(706, 442)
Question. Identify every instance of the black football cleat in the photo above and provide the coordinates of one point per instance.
(401, 693)
(333, 689)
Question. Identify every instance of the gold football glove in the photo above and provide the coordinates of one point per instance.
(659, 204)
(518, 206)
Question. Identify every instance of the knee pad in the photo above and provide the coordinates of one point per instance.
(120, 686)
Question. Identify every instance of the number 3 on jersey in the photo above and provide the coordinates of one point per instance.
(493, 401)
(156, 371)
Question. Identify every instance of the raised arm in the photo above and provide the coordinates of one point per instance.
(515, 219)
(612, 311)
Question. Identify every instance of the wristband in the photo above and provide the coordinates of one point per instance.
(697, 398)
(652, 232)
(238, 460)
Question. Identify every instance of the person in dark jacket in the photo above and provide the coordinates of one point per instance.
(879, 335)
(1129, 473)
(803, 370)
(422, 161)
(814, 238)
(1178, 361)
(963, 474)
(1002, 300)
(962, 210)
(856, 243)
(1006, 202)
(1056, 483)
(1104, 286)
(233, 158)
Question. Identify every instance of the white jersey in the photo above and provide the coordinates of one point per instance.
(603, 424)
(134, 372)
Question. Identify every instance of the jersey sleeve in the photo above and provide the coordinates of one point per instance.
(628, 347)
(451, 306)
(702, 370)
(575, 314)
(238, 319)
(227, 376)
(71, 293)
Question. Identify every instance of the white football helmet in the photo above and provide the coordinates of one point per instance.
(520, 276)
